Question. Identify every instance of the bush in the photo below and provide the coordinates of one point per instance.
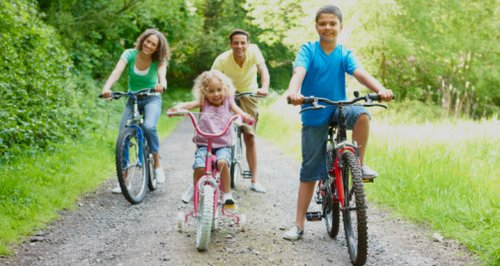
(34, 83)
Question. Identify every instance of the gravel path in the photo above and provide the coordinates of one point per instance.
(106, 230)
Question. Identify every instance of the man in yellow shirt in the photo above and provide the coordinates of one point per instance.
(241, 64)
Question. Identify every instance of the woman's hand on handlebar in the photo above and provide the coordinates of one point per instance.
(295, 98)
(159, 88)
(106, 94)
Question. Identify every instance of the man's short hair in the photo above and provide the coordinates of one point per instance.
(239, 32)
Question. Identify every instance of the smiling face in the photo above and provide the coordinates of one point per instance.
(239, 45)
(215, 92)
(328, 27)
(150, 45)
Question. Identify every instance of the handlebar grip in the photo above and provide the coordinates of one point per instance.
(251, 121)
(374, 97)
(308, 99)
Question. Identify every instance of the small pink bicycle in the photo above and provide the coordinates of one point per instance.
(207, 191)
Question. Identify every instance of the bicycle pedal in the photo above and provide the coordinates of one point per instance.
(231, 206)
(314, 216)
(247, 174)
(319, 200)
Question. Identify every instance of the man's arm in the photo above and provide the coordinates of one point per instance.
(371, 83)
(264, 79)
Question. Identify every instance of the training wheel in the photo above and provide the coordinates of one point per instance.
(243, 222)
(180, 221)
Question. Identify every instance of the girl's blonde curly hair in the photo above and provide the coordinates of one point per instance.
(200, 87)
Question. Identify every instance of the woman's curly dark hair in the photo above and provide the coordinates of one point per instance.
(162, 53)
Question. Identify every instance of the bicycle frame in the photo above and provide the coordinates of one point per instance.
(211, 175)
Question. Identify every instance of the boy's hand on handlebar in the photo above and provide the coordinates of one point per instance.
(386, 95)
(295, 98)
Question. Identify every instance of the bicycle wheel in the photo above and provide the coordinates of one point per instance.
(131, 166)
(236, 157)
(354, 214)
(331, 208)
(205, 218)
(152, 182)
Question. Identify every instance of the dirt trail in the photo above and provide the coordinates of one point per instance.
(106, 230)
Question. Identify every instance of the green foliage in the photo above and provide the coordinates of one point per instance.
(431, 52)
(35, 88)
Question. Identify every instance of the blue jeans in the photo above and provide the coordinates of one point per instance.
(222, 153)
(151, 107)
(314, 161)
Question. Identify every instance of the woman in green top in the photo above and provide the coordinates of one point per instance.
(147, 68)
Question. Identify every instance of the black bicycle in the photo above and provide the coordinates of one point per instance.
(237, 156)
(134, 161)
(343, 191)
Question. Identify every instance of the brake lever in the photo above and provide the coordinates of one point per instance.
(375, 104)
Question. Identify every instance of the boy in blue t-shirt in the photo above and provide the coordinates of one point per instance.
(319, 70)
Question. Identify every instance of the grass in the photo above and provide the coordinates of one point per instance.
(443, 173)
(35, 188)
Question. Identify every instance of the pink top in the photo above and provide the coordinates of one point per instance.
(212, 119)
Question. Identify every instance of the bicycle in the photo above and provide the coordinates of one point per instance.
(207, 190)
(343, 191)
(237, 149)
(133, 159)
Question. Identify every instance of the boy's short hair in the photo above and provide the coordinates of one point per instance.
(239, 32)
(329, 9)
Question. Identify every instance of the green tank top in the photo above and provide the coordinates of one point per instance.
(136, 81)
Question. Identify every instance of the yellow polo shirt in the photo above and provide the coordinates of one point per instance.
(244, 78)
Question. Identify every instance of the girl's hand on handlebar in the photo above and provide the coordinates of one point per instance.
(386, 95)
(247, 119)
(295, 98)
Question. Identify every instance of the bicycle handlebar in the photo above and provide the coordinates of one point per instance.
(144, 92)
(368, 98)
(251, 94)
(233, 118)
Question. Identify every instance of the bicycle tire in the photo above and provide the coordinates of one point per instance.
(205, 218)
(354, 214)
(236, 158)
(152, 182)
(331, 209)
(131, 166)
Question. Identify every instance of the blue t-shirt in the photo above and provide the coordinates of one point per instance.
(325, 77)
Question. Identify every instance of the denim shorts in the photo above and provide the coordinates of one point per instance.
(314, 161)
(223, 153)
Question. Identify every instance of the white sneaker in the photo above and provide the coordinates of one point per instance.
(228, 199)
(368, 172)
(257, 187)
(117, 189)
(295, 233)
(187, 196)
(160, 175)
